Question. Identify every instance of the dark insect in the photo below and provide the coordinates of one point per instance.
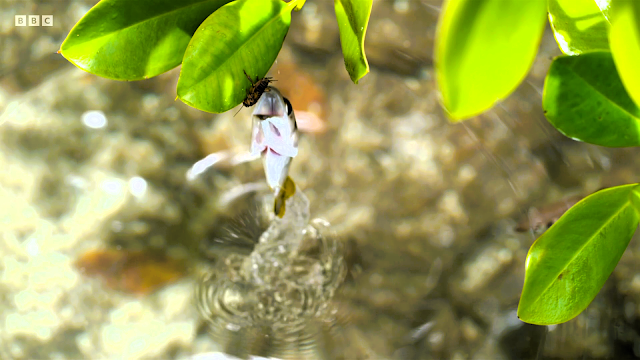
(546, 216)
(256, 90)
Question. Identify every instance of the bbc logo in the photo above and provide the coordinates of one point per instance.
(34, 20)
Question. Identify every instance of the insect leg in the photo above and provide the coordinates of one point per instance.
(248, 77)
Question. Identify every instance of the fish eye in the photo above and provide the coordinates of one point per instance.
(289, 108)
(262, 117)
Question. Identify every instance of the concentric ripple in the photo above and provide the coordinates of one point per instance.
(274, 299)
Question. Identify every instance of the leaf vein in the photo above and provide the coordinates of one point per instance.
(591, 238)
(612, 101)
(236, 50)
(113, 33)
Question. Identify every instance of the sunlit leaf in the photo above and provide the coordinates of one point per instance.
(585, 100)
(353, 17)
(634, 196)
(569, 263)
(484, 49)
(299, 5)
(605, 7)
(133, 40)
(244, 35)
(625, 43)
(578, 26)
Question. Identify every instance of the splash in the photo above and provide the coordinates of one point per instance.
(274, 300)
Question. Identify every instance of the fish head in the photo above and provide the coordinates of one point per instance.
(272, 103)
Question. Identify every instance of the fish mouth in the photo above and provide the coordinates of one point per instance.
(271, 104)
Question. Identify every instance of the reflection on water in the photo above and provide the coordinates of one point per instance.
(276, 300)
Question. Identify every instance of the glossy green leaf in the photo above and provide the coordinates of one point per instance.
(483, 51)
(578, 26)
(569, 263)
(133, 40)
(634, 196)
(353, 17)
(625, 44)
(244, 35)
(604, 6)
(585, 100)
(299, 5)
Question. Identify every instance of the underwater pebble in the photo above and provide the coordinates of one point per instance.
(482, 269)
(40, 324)
(469, 329)
(466, 174)
(635, 283)
(134, 272)
(417, 158)
(450, 203)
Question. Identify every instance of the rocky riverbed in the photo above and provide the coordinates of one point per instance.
(103, 235)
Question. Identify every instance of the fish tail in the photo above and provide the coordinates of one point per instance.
(282, 195)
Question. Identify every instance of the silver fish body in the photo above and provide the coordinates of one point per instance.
(274, 136)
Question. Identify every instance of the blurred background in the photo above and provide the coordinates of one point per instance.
(103, 236)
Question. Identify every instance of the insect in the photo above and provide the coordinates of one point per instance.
(255, 91)
(543, 218)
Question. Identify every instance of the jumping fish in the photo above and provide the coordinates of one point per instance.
(274, 137)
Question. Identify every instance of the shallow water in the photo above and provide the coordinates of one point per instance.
(103, 238)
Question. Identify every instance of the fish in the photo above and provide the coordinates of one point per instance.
(274, 137)
(282, 195)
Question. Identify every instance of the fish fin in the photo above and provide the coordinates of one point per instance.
(279, 205)
(286, 192)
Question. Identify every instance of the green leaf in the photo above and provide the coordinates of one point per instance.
(569, 263)
(634, 196)
(483, 51)
(299, 5)
(604, 6)
(353, 17)
(585, 100)
(134, 40)
(625, 43)
(578, 26)
(245, 35)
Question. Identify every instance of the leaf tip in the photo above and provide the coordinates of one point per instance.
(357, 77)
(299, 4)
